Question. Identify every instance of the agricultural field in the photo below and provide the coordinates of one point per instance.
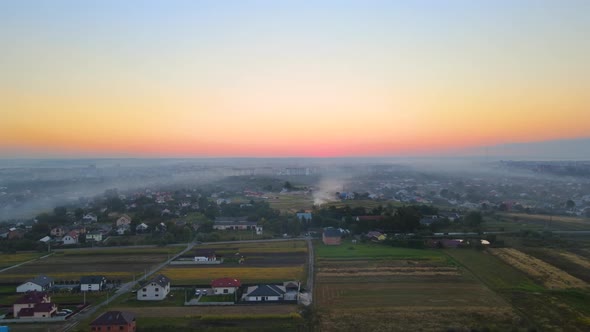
(537, 221)
(290, 202)
(402, 289)
(540, 308)
(7, 260)
(547, 274)
(118, 264)
(262, 262)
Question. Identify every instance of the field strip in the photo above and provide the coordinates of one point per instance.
(549, 275)
(576, 259)
(23, 263)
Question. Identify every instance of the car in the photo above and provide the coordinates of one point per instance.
(204, 291)
(67, 310)
(197, 292)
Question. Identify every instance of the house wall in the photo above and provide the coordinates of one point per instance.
(90, 287)
(17, 307)
(44, 314)
(331, 240)
(224, 290)
(262, 298)
(153, 292)
(111, 328)
(69, 240)
(28, 286)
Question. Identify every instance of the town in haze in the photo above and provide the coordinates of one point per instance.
(294, 166)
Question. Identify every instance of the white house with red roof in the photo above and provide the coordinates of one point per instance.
(225, 285)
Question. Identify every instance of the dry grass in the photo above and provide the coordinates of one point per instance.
(549, 275)
(206, 310)
(184, 275)
(419, 318)
(576, 259)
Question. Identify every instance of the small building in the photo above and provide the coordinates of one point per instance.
(304, 216)
(38, 284)
(123, 220)
(71, 238)
(155, 290)
(32, 301)
(331, 237)
(142, 227)
(39, 310)
(90, 218)
(264, 293)
(58, 231)
(238, 223)
(114, 321)
(225, 285)
(94, 236)
(204, 255)
(376, 236)
(92, 283)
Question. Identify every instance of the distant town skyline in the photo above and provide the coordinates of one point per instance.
(291, 79)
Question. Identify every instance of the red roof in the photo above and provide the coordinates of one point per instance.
(226, 282)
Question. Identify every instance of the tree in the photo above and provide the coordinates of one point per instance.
(473, 218)
(570, 204)
(60, 211)
(79, 213)
(288, 185)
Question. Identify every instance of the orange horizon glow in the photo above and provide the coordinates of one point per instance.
(354, 80)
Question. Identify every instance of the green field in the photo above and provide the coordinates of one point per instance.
(349, 251)
(7, 260)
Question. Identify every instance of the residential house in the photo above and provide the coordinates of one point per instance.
(15, 234)
(94, 236)
(155, 290)
(331, 236)
(114, 321)
(124, 220)
(204, 255)
(237, 223)
(90, 218)
(71, 238)
(142, 228)
(58, 231)
(376, 236)
(264, 293)
(40, 310)
(304, 216)
(34, 305)
(92, 283)
(39, 283)
(121, 230)
(225, 285)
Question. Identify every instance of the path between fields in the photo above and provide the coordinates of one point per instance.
(23, 263)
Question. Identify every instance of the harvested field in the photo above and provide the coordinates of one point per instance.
(7, 260)
(72, 266)
(201, 311)
(204, 274)
(576, 259)
(550, 276)
(388, 271)
(420, 318)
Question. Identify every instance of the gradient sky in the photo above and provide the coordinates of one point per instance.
(289, 78)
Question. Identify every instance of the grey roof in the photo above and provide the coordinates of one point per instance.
(161, 280)
(267, 290)
(42, 280)
(110, 318)
(92, 279)
(332, 232)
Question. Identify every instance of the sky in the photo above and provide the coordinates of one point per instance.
(289, 78)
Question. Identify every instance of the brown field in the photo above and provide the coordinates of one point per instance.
(576, 259)
(7, 260)
(72, 267)
(203, 274)
(419, 318)
(549, 275)
(209, 310)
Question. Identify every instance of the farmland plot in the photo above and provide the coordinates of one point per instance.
(422, 288)
(549, 275)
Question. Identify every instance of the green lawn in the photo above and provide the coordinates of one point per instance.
(349, 251)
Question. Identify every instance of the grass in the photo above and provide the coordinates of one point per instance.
(492, 271)
(290, 202)
(218, 298)
(349, 251)
(121, 251)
